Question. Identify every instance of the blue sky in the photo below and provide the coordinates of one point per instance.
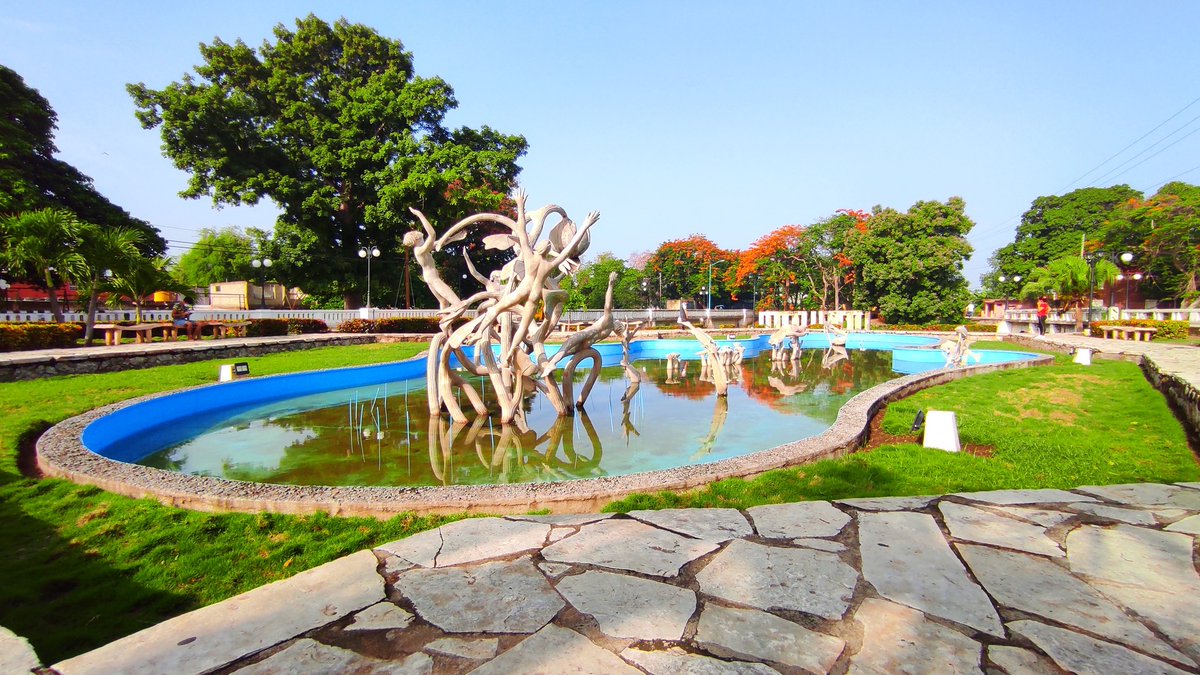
(673, 118)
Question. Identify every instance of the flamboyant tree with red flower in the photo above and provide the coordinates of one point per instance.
(681, 268)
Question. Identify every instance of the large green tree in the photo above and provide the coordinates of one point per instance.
(1163, 233)
(909, 265)
(218, 255)
(684, 267)
(587, 288)
(331, 123)
(32, 178)
(1054, 227)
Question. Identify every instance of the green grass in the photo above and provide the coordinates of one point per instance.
(84, 567)
(1058, 426)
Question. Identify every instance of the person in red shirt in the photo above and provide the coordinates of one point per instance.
(1043, 309)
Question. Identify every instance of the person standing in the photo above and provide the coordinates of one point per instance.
(1043, 310)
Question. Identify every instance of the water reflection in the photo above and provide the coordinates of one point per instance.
(667, 416)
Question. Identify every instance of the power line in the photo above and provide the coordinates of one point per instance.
(1160, 183)
(1147, 149)
(1135, 142)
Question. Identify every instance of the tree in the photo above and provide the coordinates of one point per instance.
(31, 178)
(588, 286)
(219, 255)
(1070, 279)
(331, 124)
(105, 251)
(1053, 227)
(684, 266)
(42, 245)
(909, 265)
(139, 280)
(1163, 233)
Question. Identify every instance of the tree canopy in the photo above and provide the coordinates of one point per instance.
(219, 255)
(32, 178)
(1163, 233)
(330, 123)
(909, 265)
(684, 267)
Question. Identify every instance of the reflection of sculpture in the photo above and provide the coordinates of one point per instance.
(720, 413)
(834, 354)
(955, 349)
(505, 314)
(626, 330)
(673, 370)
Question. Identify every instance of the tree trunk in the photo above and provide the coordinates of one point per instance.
(90, 325)
(352, 300)
(52, 296)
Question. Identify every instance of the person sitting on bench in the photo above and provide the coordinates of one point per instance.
(181, 316)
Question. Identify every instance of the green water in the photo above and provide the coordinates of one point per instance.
(384, 436)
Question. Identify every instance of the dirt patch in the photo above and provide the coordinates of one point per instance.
(27, 462)
(878, 437)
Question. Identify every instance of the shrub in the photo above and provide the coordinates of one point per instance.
(942, 327)
(1167, 330)
(356, 326)
(16, 337)
(425, 326)
(267, 327)
(306, 326)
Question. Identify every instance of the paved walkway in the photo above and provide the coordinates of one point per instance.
(1094, 580)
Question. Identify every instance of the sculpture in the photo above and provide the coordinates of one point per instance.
(505, 314)
(956, 349)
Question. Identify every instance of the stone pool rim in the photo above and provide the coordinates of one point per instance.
(61, 454)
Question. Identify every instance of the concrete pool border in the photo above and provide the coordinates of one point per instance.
(61, 453)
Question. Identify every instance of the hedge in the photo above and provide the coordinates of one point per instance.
(942, 327)
(1167, 330)
(16, 337)
(424, 326)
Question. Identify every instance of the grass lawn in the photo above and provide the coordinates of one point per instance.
(84, 567)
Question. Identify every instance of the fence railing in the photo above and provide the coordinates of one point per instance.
(331, 317)
(1192, 316)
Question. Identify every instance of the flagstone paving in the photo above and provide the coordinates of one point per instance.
(1094, 580)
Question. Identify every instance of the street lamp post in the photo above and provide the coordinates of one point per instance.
(372, 252)
(261, 264)
(1016, 279)
(1126, 258)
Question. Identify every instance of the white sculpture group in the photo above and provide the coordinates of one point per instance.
(517, 310)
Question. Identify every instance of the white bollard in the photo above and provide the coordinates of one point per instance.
(1083, 356)
(226, 373)
(941, 430)
(1003, 328)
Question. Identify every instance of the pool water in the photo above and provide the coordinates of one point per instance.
(382, 434)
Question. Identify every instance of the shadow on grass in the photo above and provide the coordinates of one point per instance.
(56, 591)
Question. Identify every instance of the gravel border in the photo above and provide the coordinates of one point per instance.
(61, 453)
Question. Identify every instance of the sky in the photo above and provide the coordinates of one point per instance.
(673, 118)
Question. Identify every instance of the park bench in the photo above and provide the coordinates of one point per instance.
(142, 332)
(1136, 333)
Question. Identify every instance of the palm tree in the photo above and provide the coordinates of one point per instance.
(140, 279)
(1070, 277)
(41, 243)
(104, 250)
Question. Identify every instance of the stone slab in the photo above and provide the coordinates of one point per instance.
(475, 650)
(1078, 653)
(607, 544)
(770, 577)
(799, 520)
(382, 616)
(1130, 516)
(201, 640)
(888, 503)
(675, 661)
(1147, 571)
(907, 560)
(1038, 586)
(16, 654)
(1043, 517)
(898, 639)
(630, 607)
(751, 634)
(1018, 661)
(554, 570)
(310, 656)
(971, 524)
(495, 597)
(716, 525)
(470, 540)
(1189, 525)
(565, 519)
(553, 651)
(1012, 497)
(1146, 494)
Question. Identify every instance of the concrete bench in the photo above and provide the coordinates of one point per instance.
(1135, 333)
(142, 332)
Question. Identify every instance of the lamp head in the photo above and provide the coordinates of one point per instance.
(1127, 257)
